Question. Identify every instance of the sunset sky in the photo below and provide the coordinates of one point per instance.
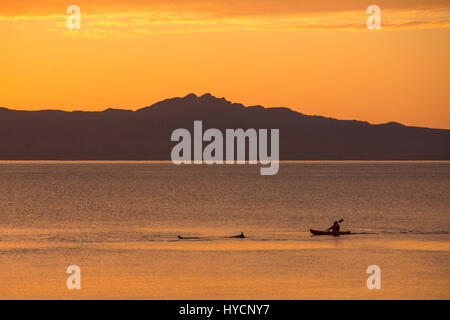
(316, 57)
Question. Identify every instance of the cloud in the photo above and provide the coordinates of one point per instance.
(217, 8)
(113, 18)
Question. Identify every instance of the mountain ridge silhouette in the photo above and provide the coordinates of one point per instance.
(144, 134)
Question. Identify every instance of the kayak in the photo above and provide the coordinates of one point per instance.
(242, 235)
(187, 238)
(192, 238)
(327, 233)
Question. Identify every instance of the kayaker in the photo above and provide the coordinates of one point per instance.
(335, 227)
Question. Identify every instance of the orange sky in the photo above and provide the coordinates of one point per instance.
(316, 57)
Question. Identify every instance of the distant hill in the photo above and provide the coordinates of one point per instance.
(145, 134)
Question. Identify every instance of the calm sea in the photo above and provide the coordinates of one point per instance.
(119, 222)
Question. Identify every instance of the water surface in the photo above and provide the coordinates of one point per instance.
(119, 222)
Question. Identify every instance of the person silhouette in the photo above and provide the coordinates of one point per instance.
(335, 227)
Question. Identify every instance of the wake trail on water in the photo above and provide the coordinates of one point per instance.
(169, 237)
(412, 232)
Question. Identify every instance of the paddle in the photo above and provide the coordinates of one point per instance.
(338, 222)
